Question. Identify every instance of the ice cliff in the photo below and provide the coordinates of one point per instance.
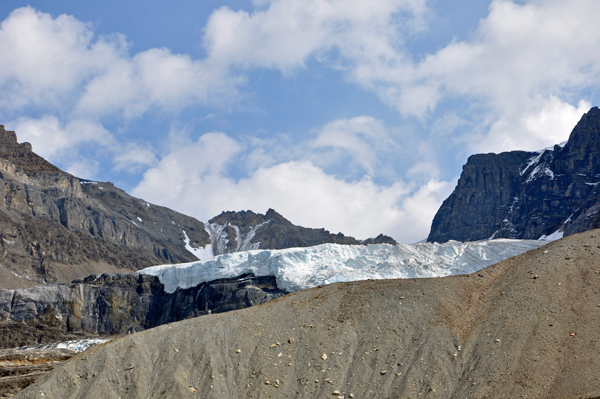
(301, 268)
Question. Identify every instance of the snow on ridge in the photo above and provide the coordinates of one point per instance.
(219, 240)
(297, 269)
(540, 169)
(202, 253)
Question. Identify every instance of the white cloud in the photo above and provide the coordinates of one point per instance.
(364, 138)
(521, 61)
(194, 180)
(56, 63)
(84, 168)
(180, 174)
(517, 52)
(284, 33)
(51, 139)
(156, 78)
(134, 157)
(44, 59)
(543, 123)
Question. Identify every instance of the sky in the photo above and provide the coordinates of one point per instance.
(352, 115)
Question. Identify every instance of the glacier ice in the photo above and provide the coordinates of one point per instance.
(301, 268)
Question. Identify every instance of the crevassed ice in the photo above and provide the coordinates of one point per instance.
(301, 268)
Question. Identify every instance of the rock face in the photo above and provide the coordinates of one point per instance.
(236, 231)
(527, 195)
(51, 221)
(112, 304)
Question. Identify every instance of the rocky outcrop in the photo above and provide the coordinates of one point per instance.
(235, 231)
(527, 195)
(112, 304)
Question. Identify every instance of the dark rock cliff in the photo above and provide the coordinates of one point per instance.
(112, 304)
(527, 195)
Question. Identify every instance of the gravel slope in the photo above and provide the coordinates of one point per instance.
(526, 327)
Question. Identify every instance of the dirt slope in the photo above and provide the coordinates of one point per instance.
(526, 327)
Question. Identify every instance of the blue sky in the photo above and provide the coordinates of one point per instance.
(350, 115)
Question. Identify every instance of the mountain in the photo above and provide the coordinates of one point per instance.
(55, 227)
(527, 195)
(239, 231)
(525, 327)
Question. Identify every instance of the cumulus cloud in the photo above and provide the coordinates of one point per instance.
(52, 138)
(522, 61)
(57, 66)
(57, 61)
(543, 123)
(194, 179)
(134, 157)
(364, 138)
(284, 33)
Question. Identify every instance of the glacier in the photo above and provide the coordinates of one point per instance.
(297, 269)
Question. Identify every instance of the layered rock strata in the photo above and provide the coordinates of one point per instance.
(51, 221)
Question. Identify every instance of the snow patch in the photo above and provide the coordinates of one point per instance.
(532, 161)
(297, 269)
(202, 253)
(539, 171)
(219, 240)
(557, 235)
(79, 345)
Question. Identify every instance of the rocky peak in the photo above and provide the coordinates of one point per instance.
(527, 195)
(248, 230)
(7, 136)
